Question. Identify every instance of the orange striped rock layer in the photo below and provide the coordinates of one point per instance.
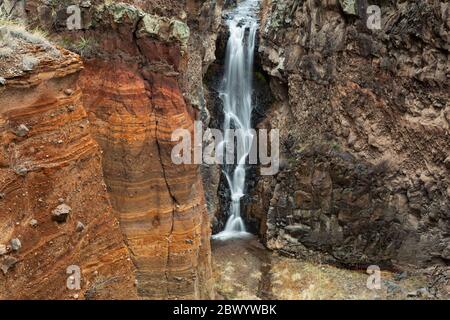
(160, 205)
(57, 161)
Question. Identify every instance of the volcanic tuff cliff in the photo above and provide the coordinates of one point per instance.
(142, 79)
(135, 102)
(364, 118)
(49, 162)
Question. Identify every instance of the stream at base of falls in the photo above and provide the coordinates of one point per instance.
(245, 270)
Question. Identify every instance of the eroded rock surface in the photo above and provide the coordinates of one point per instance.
(142, 79)
(55, 159)
(364, 119)
(134, 98)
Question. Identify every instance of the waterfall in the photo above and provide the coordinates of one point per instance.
(236, 95)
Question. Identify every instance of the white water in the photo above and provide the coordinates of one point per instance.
(236, 95)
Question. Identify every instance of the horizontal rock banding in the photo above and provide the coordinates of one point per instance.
(160, 205)
(135, 101)
(55, 161)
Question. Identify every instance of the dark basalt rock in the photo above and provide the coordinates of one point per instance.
(366, 180)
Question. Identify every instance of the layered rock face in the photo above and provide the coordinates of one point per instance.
(54, 207)
(142, 79)
(364, 119)
(160, 206)
(133, 91)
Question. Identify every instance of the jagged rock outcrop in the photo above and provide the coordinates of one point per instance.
(364, 119)
(51, 166)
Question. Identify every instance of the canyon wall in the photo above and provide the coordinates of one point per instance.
(364, 122)
(54, 207)
(142, 79)
(135, 102)
(86, 176)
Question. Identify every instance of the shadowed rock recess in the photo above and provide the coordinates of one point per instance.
(87, 180)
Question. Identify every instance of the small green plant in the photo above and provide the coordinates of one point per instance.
(259, 76)
(65, 42)
(17, 29)
(40, 32)
(84, 46)
(336, 146)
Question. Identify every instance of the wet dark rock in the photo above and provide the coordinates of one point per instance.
(298, 230)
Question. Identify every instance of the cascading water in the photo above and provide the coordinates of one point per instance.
(236, 95)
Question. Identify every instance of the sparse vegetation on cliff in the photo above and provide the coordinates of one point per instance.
(16, 43)
(13, 32)
(84, 46)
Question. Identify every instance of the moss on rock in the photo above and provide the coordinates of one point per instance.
(349, 6)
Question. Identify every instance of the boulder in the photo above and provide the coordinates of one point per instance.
(61, 213)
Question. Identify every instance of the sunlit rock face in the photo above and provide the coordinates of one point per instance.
(160, 205)
(132, 91)
(54, 207)
(142, 79)
(364, 118)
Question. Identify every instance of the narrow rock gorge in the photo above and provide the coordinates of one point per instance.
(91, 93)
